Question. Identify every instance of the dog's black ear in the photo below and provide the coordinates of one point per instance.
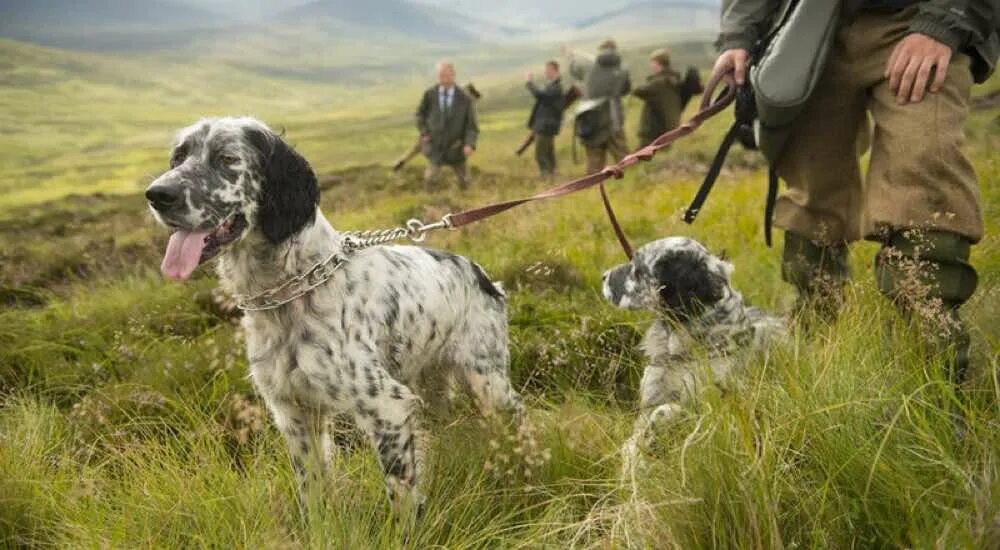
(289, 193)
(686, 284)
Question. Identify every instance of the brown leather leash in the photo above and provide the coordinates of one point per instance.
(707, 109)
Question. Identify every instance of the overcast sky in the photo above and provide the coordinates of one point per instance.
(247, 8)
(510, 11)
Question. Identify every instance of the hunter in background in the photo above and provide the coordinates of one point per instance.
(446, 119)
(664, 95)
(600, 119)
(546, 117)
(417, 147)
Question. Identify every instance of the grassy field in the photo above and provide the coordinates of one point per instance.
(126, 419)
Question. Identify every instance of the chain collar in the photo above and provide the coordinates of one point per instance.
(293, 288)
(304, 283)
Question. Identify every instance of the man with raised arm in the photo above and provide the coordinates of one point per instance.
(546, 117)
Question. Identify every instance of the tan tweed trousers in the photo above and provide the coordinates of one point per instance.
(918, 175)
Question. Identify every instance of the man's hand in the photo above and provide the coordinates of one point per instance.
(910, 65)
(732, 60)
(528, 77)
(468, 150)
(426, 138)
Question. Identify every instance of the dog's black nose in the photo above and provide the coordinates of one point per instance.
(163, 197)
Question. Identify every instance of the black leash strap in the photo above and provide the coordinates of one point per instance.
(772, 198)
(745, 114)
(712, 175)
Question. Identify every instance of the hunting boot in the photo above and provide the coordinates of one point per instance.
(928, 276)
(818, 272)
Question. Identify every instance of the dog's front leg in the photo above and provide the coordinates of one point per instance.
(662, 391)
(389, 414)
(306, 433)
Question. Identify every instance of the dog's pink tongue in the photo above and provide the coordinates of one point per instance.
(183, 254)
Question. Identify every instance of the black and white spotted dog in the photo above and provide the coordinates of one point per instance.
(700, 318)
(359, 343)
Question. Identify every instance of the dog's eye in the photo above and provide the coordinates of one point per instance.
(229, 160)
(177, 159)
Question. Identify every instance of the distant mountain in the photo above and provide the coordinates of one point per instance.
(651, 17)
(102, 24)
(663, 14)
(531, 13)
(148, 25)
(69, 12)
(540, 15)
(102, 13)
(372, 16)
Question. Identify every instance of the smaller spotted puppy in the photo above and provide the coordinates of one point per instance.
(700, 318)
(360, 343)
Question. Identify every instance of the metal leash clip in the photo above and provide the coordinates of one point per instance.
(418, 230)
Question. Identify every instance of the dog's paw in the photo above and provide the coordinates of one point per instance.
(407, 501)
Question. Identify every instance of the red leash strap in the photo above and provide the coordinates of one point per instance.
(708, 109)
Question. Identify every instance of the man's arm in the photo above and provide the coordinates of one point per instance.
(423, 112)
(533, 89)
(626, 83)
(550, 91)
(954, 23)
(743, 22)
(644, 91)
(471, 127)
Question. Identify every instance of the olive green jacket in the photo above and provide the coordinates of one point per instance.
(661, 108)
(968, 26)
